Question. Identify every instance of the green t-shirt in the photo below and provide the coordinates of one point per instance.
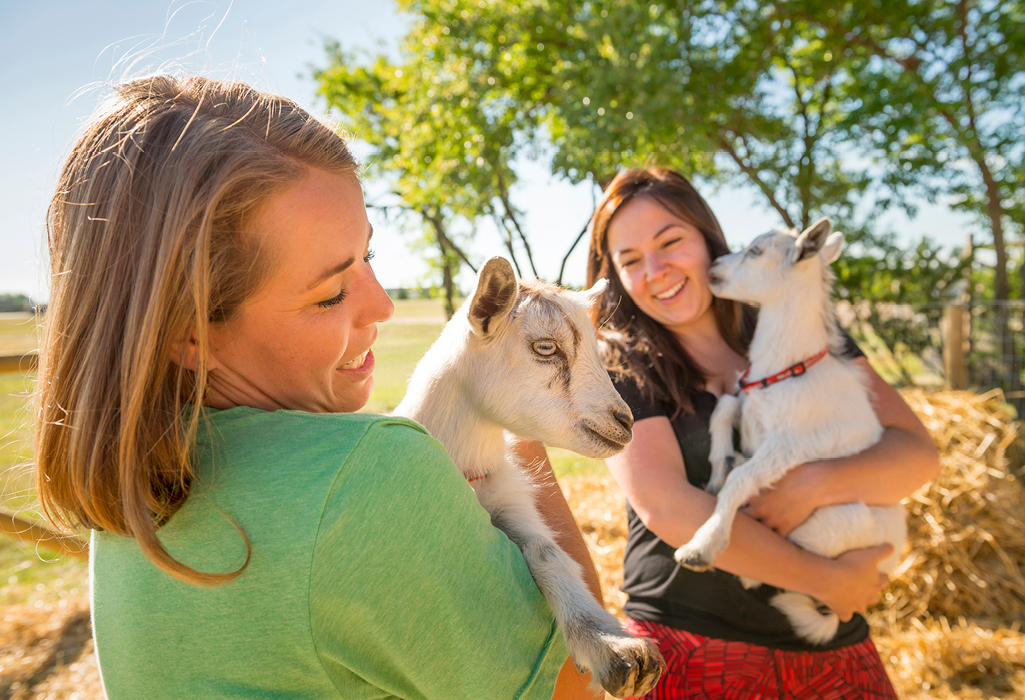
(374, 574)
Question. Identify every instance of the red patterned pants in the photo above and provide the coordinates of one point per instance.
(701, 667)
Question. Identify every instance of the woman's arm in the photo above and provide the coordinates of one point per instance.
(551, 503)
(903, 459)
(651, 473)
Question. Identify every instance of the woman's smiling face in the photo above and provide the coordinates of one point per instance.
(662, 262)
(303, 340)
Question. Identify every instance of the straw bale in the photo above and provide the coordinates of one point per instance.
(966, 529)
(46, 651)
(935, 660)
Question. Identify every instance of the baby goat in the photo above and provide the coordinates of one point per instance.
(823, 412)
(522, 359)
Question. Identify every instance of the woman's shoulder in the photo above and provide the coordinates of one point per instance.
(291, 426)
(249, 442)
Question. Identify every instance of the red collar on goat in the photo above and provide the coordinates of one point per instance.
(793, 371)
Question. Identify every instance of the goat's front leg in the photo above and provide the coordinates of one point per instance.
(722, 454)
(767, 465)
(624, 666)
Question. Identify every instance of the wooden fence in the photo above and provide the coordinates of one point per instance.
(19, 363)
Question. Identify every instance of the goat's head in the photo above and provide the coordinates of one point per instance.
(535, 364)
(776, 265)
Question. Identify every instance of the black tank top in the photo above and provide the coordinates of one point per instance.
(710, 603)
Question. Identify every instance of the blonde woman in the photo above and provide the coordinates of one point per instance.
(208, 339)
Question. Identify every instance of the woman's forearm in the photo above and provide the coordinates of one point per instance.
(883, 474)
(557, 514)
(755, 550)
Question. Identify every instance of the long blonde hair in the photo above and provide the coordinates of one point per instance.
(148, 245)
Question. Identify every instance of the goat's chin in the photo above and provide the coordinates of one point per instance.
(595, 444)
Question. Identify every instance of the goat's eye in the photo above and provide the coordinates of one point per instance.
(754, 252)
(545, 348)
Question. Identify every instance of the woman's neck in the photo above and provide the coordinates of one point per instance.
(705, 345)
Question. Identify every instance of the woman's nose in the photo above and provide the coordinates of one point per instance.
(654, 266)
(379, 306)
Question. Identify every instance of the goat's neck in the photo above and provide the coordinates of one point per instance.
(476, 444)
(789, 332)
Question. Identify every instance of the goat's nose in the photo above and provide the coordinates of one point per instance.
(623, 417)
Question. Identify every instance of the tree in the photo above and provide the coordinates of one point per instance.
(941, 86)
(942, 91)
(716, 90)
(441, 141)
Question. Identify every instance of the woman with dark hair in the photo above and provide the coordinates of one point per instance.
(673, 349)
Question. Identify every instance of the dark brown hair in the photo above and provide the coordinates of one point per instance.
(148, 245)
(635, 344)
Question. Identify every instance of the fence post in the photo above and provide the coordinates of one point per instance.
(955, 365)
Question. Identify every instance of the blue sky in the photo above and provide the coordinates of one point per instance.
(57, 54)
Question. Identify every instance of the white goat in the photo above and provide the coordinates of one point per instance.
(827, 413)
(522, 359)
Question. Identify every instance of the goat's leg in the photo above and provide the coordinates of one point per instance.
(625, 666)
(767, 465)
(722, 453)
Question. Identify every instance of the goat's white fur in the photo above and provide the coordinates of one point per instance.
(825, 413)
(522, 359)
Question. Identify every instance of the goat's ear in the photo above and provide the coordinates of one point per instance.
(810, 242)
(494, 297)
(831, 250)
(590, 296)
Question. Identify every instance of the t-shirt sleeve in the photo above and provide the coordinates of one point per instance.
(415, 592)
(631, 393)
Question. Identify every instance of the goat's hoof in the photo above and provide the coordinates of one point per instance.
(692, 559)
(634, 668)
(714, 487)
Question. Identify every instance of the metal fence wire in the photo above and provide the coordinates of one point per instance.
(976, 345)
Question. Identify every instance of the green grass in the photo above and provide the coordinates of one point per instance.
(398, 348)
(27, 576)
(17, 333)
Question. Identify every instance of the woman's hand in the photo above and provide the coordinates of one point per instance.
(790, 501)
(857, 581)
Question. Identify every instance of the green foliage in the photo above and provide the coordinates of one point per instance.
(938, 92)
(838, 111)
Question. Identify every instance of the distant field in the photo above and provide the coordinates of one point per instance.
(17, 333)
(24, 578)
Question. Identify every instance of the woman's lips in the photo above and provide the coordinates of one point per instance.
(359, 364)
(672, 293)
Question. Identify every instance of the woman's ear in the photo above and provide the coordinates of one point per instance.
(185, 354)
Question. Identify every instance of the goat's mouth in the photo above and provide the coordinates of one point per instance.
(606, 441)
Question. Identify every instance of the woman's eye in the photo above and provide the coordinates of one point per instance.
(670, 242)
(328, 303)
(369, 256)
(545, 348)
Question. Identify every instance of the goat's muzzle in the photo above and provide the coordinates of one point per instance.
(624, 418)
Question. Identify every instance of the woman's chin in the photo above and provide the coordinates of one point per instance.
(354, 401)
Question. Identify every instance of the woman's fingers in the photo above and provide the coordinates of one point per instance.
(857, 582)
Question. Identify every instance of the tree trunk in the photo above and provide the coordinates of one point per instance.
(1011, 359)
(447, 283)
